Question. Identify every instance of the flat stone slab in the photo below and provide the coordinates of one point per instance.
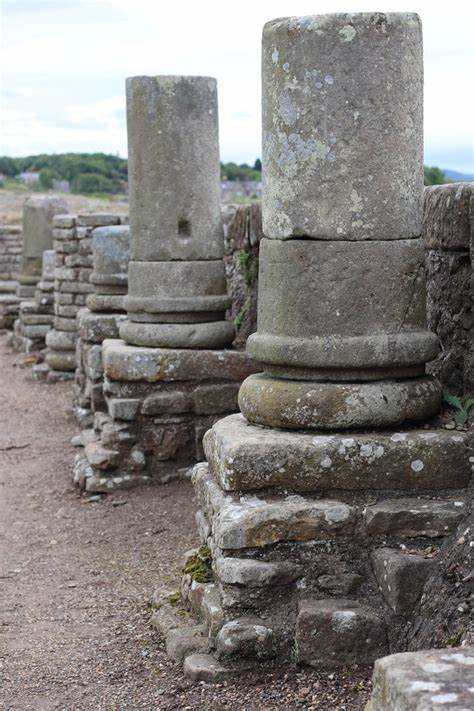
(246, 457)
(135, 363)
(424, 681)
(205, 667)
(409, 518)
(96, 327)
(251, 521)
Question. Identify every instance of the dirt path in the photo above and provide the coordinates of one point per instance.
(76, 577)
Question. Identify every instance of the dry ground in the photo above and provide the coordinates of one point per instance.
(11, 204)
(76, 577)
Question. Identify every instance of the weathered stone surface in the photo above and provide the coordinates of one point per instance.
(311, 405)
(245, 637)
(38, 213)
(123, 409)
(166, 402)
(105, 302)
(342, 126)
(61, 360)
(332, 633)
(96, 327)
(174, 181)
(342, 305)
(183, 641)
(248, 522)
(400, 577)
(343, 584)
(409, 518)
(447, 216)
(254, 573)
(129, 363)
(245, 457)
(204, 667)
(110, 254)
(424, 681)
(215, 334)
(215, 399)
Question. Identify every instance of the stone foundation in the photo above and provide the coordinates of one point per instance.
(159, 403)
(35, 318)
(72, 243)
(10, 262)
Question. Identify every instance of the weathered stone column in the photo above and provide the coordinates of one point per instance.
(312, 525)
(38, 213)
(342, 329)
(102, 317)
(177, 290)
(36, 317)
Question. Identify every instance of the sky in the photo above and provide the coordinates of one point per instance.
(64, 63)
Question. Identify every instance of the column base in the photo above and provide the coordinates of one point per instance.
(315, 405)
(211, 334)
(299, 557)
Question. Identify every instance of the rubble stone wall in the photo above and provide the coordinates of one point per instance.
(11, 241)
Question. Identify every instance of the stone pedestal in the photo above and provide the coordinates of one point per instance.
(36, 317)
(38, 214)
(317, 503)
(169, 379)
(73, 245)
(102, 317)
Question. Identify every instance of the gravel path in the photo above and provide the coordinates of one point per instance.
(76, 577)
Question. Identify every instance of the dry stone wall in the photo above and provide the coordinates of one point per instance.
(35, 318)
(11, 243)
(449, 240)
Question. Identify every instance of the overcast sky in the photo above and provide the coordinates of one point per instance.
(64, 63)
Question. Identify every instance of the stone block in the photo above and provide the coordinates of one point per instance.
(215, 399)
(125, 409)
(98, 219)
(342, 125)
(61, 360)
(245, 457)
(204, 667)
(410, 518)
(166, 402)
(430, 679)
(132, 363)
(400, 577)
(340, 585)
(61, 340)
(337, 633)
(183, 641)
(246, 637)
(251, 573)
(447, 218)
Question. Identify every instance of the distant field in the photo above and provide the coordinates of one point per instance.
(11, 204)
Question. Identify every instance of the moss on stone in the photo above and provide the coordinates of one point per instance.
(199, 566)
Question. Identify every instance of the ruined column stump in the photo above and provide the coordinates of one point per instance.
(73, 244)
(174, 372)
(11, 239)
(318, 502)
(101, 319)
(35, 318)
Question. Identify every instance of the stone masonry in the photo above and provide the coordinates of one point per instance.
(72, 243)
(35, 317)
(171, 377)
(102, 317)
(449, 240)
(11, 238)
(323, 505)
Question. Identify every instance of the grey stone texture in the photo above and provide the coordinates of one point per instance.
(334, 633)
(424, 681)
(110, 257)
(448, 228)
(156, 406)
(413, 518)
(401, 577)
(177, 291)
(249, 458)
(11, 241)
(38, 214)
(174, 168)
(342, 126)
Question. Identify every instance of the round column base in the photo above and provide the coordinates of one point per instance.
(306, 405)
(213, 334)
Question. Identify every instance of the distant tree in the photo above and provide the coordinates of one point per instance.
(46, 178)
(435, 176)
(258, 165)
(232, 171)
(92, 183)
(8, 166)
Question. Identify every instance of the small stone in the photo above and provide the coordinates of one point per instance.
(401, 577)
(245, 637)
(204, 667)
(344, 584)
(183, 641)
(409, 518)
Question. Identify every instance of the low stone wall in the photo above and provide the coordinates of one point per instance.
(11, 240)
(72, 243)
(449, 237)
(36, 316)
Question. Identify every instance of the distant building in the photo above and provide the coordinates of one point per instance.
(231, 189)
(27, 178)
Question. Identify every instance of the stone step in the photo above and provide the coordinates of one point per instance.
(424, 681)
(401, 576)
(410, 518)
(248, 458)
(333, 633)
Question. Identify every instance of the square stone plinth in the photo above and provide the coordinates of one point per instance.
(246, 457)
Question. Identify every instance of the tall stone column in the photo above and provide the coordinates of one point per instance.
(312, 524)
(177, 290)
(38, 213)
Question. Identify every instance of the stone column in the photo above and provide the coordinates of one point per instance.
(38, 213)
(102, 317)
(36, 317)
(177, 290)
(311, 526)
